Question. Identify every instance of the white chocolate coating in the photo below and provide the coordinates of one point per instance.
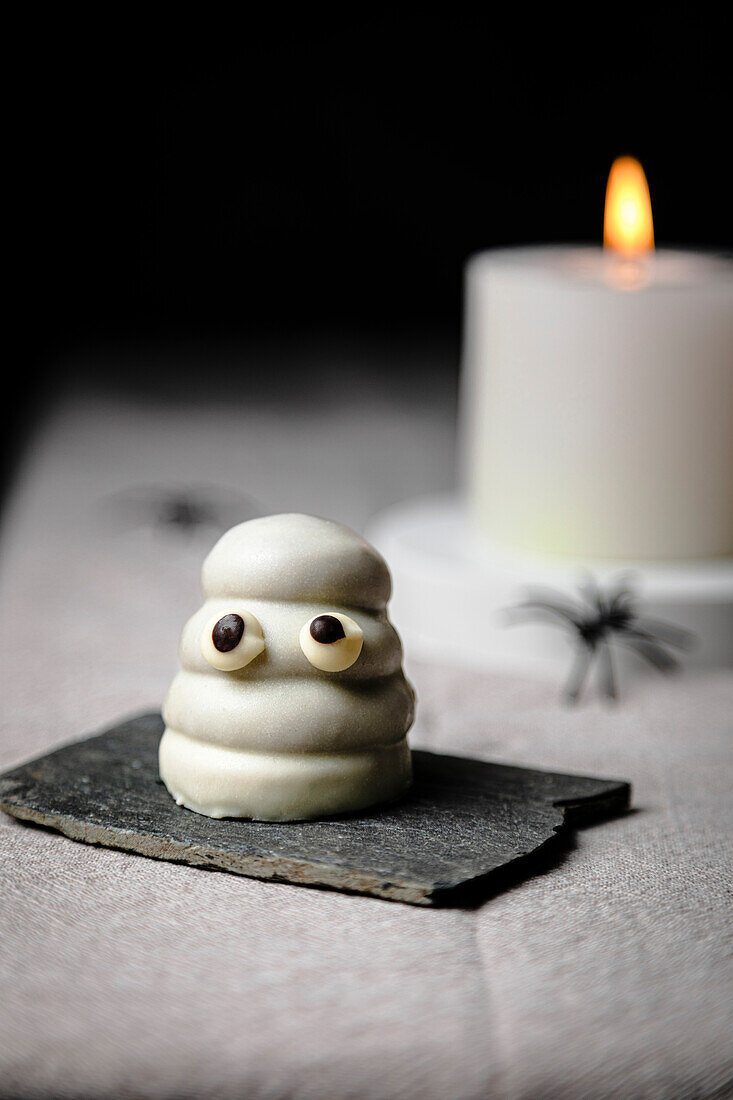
(284, 727)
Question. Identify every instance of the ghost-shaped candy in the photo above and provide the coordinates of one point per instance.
(291, 702)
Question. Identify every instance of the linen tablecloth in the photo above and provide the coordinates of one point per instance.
(605, 975)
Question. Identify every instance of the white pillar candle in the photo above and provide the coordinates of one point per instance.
(597, 402)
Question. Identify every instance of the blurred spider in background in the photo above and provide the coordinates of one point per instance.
(596, 621)
(183, 509)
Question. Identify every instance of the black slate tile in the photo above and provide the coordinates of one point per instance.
(462, 822)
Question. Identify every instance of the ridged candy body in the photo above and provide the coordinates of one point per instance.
(279, 739)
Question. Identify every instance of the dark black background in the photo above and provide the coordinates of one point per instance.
(258, 176)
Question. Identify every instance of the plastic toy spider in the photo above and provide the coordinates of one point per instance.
(599, 619)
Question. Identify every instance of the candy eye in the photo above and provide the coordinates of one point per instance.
(231, 641)
(331, 642)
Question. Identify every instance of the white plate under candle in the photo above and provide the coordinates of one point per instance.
(452, 588)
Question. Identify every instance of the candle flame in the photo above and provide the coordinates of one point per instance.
(628, 226)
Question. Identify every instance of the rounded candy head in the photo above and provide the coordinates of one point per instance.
(297, 557)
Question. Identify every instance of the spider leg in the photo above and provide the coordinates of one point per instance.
(621, 601)
(552, 597)
(591, 593)
(607, 673)
(578, 673)
(622, 587)
(655, 630)
(547, 611)
(655, 654)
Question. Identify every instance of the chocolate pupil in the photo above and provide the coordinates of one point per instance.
(327, 629)
(227, 634)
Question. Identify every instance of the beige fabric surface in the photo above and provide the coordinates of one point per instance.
(606, 976)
